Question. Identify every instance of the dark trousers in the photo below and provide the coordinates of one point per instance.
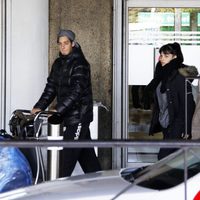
(168, 135)
(85, 156)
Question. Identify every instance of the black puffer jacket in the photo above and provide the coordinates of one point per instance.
(70, 82)
(176, 93)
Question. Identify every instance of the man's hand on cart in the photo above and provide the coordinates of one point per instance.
(35, 111)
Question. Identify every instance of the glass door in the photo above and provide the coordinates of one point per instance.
(148, 28)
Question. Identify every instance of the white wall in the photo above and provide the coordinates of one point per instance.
(191, 55)
(141, 64)
(27, 53)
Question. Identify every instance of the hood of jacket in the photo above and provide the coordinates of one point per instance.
(188, 71)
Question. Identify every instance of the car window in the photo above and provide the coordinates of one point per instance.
(168, 174)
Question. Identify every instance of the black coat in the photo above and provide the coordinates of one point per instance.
(176, 99)
(70, 82)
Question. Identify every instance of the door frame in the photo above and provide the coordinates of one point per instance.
(2, 62)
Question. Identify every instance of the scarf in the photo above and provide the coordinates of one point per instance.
(162, 73)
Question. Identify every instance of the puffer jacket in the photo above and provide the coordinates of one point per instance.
(176, 93)
(70, 82)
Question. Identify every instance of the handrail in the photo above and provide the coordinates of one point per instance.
(101, 143)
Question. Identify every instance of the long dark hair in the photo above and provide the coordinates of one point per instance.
(172, 48)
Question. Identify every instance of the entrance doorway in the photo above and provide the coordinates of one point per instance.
(147, 29)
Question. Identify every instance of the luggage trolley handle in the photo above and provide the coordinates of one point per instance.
(38, 120)
(23, 111)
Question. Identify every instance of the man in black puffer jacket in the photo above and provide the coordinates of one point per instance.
(70, 83)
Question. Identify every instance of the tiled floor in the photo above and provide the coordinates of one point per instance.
(138, 127)
(139, 122)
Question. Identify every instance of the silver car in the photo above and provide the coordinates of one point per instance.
(162, 180)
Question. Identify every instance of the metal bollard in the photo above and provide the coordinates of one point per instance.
(55, 132)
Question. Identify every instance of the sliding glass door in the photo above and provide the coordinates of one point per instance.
(147, 29)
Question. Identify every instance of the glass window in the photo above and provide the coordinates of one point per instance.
(172, 173)
(165, 175)
(148, 30)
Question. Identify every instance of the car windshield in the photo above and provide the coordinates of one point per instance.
(168, 172)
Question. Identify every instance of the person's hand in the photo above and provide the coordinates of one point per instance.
(53, 110)
(35, 110)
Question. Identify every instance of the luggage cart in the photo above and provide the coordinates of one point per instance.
(24, 125)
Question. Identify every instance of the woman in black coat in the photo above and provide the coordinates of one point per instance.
(168, 86)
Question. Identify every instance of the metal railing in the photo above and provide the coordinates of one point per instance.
(101, 143)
